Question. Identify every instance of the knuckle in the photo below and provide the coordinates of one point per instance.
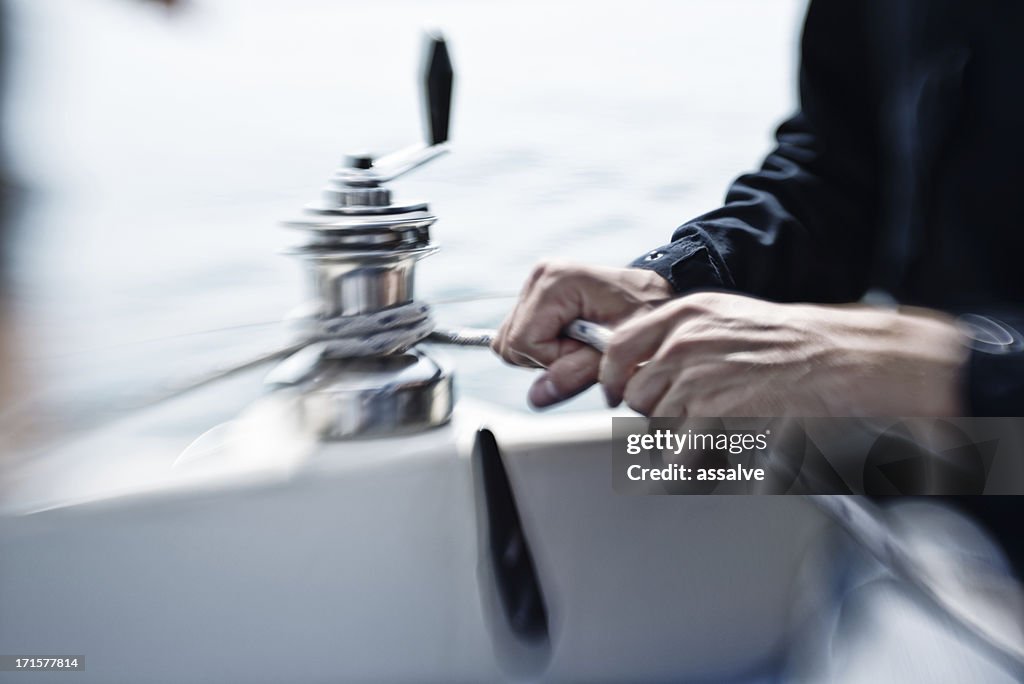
(618, 347)
(637, 403)
(547, 268)
(708, 299)
(698, 303)
(539, 271)
(678, 345)
(703, 327)
(628, 335)
(542, 267)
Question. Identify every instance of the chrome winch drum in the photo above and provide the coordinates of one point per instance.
(363, 263)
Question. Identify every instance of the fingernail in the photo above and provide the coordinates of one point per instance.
(611, 399)
(543, 392)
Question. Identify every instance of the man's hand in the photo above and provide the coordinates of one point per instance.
(714, 354)
(554, 295)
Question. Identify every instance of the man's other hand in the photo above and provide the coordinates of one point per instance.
(554, 295)
(714, 354)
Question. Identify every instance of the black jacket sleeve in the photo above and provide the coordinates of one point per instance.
(802, 227)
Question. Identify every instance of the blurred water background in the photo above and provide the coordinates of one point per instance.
(160, 149)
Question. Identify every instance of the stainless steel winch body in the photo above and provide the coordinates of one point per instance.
(362, 261)
(360, 249)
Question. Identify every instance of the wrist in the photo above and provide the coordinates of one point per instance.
(654, 286)
(945, 351)
(910, 362)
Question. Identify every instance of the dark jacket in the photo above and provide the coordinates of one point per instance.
(903, 170)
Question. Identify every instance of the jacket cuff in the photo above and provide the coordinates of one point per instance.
(995, 368)
(688, 263)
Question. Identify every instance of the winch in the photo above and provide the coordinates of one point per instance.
(360, 373)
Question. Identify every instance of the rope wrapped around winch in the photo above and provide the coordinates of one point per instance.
(396, 329)
(388, 331)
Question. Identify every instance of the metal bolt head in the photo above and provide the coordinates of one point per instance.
(359, 161)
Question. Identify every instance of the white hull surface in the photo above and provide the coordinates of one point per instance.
(264, 558)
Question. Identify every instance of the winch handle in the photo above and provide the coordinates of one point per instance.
(438, 79)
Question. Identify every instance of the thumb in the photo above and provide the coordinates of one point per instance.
(566, 377)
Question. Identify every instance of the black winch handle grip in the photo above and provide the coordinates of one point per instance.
(438, 78)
